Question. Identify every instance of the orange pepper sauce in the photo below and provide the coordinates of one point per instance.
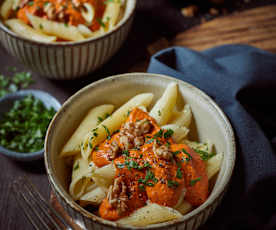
(149, 177)
(72, 14)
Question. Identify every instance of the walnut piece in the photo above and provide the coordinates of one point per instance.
(117, 195)
(132, 133)
(113, 150)
(162, 151)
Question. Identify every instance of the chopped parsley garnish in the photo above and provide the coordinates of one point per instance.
(66, 24)
(100, 21)
(107, 131)
(97, 148)
(41, 26)
(125, 152)
(90, 145)
(204, 155)
(76, 166)
(149, 177)
(31, 3)
(150, 141)
(188, 154)
(158, 134)
(168, 133)
(179, 173)
(128, 112)
(193, 182)
(24, 126)
(159, 113)
(141, 187)
(176, 152)
(172, 184)
(120, 166)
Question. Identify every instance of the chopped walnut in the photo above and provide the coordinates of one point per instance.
(50, 10)
(162, 151)
(113, 150)
(117, 195)
(132, 133)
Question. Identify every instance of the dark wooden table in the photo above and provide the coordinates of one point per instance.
(133, 56)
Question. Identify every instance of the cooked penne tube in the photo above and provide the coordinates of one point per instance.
(88, 13)
(81, 177)
(104, 176)
(91, 120)
(26, 31)
(86, 32)
(179, 133)
(206, 146)
(213, 165)
(162, 109)
(113, 123)
(150, 214)
(94, 197)
(58, 29)
(6, 8)
(184, 207)
(182, 118)
(111, 15)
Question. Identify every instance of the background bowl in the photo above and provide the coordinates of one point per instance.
(68, 60)
(6, 103)
(210, 122)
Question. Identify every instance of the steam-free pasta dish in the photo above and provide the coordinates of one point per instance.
(137, 167)
(61, 20)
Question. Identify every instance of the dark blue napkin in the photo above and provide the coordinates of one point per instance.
(242, 81)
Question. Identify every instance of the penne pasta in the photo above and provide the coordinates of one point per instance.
(26, 31)
(182, 118)
(60, 30)
(104, 176)
(81, 177)
(162, 110)
(213, 165)
(86, 32)
(94, 197)
(111, 15)
(184, 207)
(6, 8)
(88, 13)
(150, 214)
(92, 119)
(179, 133)
(113, 123)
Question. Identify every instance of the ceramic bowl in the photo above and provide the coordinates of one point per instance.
(68, 60)
(210, 122)
(6, 103)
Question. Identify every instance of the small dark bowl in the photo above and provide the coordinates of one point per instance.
(6, 104)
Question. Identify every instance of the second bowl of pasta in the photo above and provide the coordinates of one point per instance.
(140, 151)
(64, 39)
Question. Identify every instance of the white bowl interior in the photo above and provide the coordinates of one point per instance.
(209, 121)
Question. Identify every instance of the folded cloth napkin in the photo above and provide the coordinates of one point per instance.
(242, 81)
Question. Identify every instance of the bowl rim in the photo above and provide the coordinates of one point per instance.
(31, 155)
(73, 43)
(197, 211)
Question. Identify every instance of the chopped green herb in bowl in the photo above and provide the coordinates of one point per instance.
(24, 123)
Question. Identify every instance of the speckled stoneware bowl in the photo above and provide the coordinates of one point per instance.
(210, 122)
(6, 103)
(68, 60)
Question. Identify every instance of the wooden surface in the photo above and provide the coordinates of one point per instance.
(256, 27)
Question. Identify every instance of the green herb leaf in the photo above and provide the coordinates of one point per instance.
(172, 184)
(204, 155)
(179, 173)
(168, 133)
(76, 166)
(107, 131)
(193, 182)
